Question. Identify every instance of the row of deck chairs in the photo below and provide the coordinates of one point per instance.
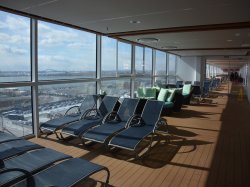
(124, 128)
(25, 164)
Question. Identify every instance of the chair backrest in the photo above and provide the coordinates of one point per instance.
(107, 105)
(196, 90)
(152, 112)
(89, 102)
(127, 108)
(188, 82)
(197, 83)
(206, 86)
(179, 84)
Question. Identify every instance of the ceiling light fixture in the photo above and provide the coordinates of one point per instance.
(237, 34)
(245, 45)
(169, 47)
(134, 21)
(147, 40)
(229, 40)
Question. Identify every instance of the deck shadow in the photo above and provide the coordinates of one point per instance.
(158, 156)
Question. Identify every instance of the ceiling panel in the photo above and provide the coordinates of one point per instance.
(112, 16)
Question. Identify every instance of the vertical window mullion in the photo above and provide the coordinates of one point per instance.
(34, 73)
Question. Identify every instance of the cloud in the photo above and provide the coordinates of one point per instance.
(11, 50)
(15, 23)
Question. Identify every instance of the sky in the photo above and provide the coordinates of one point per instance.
(59, 48)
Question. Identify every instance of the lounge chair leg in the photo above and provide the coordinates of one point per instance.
(107, 179)
(57, 135)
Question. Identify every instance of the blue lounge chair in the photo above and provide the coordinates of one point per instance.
(91, 118)
(31, 162)
(109, 127)
(17, 147)
(149, 121)
(65, 174)
(53, 125)
(6, 137)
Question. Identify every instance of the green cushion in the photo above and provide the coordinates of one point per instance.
(150, 92)
(168, 105)
(157, 88)
(162, 95)
(186, 89)
(170, 95)
(140, 92)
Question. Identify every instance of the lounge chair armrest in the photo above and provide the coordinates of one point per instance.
(161, 122)
(90, 113)
(135, 120)
(110, 116)
(72, 108)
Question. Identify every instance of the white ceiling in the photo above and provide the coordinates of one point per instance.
(114, 16)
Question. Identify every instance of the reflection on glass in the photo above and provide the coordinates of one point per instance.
(65, 53)
(124, 58)
(14, 48)
(108, 57)
(119, 88)
(142, 82)
(139, 65)
(160, 81)
(160, 66)
(54, 100)
(171, 80)
(15, 110)
(171, 64)
(148, 61)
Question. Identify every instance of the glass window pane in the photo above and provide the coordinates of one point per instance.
(14, 48)
(142, 82)
(171, 80)
(65, 53)
(55, 99)
(119, 88)
(15, 110)
(148, 61)
(124, 58)
(108, 57)
(139, 65)
(160, 66)
(171, 64)
(160, 81)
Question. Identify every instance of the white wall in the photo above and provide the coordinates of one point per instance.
(189, 68)
(248, 81)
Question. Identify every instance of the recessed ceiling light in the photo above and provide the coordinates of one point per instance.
(147, 40)
(187, 9)
(237, 34)
(134, 21)
(245, 45)
(229, 40)
(169, 47)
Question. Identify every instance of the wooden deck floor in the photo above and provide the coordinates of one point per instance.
(209, 146)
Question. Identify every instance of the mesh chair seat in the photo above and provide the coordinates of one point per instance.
(5, 137)
(65, 174)
(12, 148)
(77, 128)
(105, 131)
(31, 162)
(131, 137)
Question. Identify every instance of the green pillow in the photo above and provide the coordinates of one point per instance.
(170, 95)
(150, 92)
(162, 95)
(140, 92)
(186, 89)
